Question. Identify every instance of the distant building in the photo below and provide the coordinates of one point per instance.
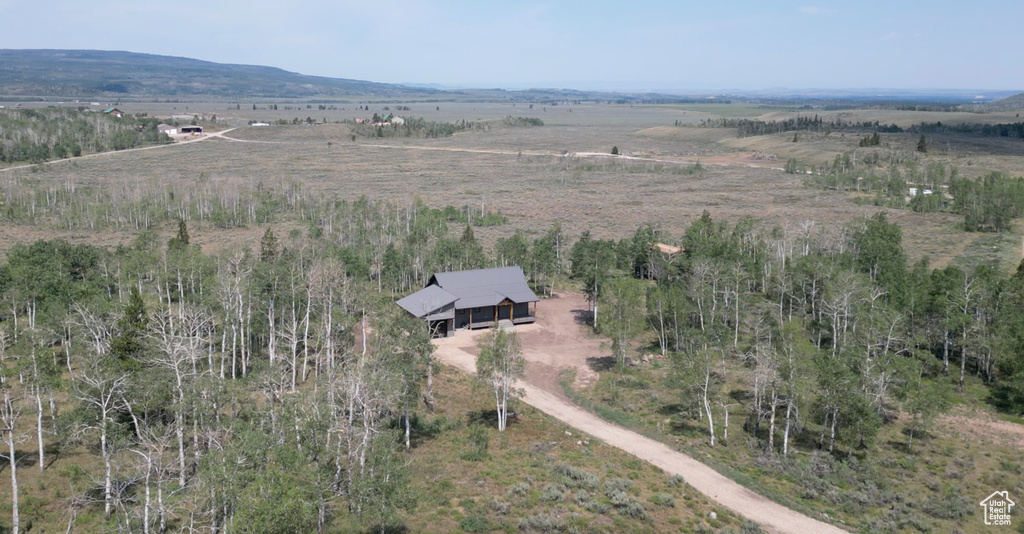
(191, 129)
(114, 111)
(167, 129)
(479, 298)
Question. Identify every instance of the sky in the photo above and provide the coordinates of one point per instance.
(640, 45)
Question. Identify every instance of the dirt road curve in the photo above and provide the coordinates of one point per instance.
(181, 141)
(556, 341)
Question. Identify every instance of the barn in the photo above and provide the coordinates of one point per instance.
(478, 298)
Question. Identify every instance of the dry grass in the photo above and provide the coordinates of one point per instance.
(519, 172)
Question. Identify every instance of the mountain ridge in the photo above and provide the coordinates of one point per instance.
(118, 73)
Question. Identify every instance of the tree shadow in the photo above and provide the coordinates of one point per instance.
(672, 409)
(741, 395)
(488, 418)
(583, 317)
(601, 363)
(21, 459)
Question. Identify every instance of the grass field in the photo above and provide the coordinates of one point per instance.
(519, 171)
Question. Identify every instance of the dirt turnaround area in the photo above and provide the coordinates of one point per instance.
(558, 340)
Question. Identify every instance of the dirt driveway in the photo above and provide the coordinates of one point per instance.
(555, 342)
(559, 340)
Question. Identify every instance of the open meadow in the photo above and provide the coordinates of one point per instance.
(536, 176)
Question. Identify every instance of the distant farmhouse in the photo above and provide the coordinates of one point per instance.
(167, 129)
(479, 298)
(114, 112)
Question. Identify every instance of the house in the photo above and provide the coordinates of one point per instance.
(113, 111)
(167, 129)
(398, 121)
(479, 298)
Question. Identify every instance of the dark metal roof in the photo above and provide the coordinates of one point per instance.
(485, 287)
(427, 301)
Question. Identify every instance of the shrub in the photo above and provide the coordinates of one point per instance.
(519, 490)
(553, 493)
(663, 499)
(634, 509)
(675, 481)
(617, 485)
(542, 523)
(479, 440)
(750, 527)
(476, 523)
(576, 478)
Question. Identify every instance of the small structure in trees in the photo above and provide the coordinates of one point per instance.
(480, 298)
(167, 129)
(114, 112)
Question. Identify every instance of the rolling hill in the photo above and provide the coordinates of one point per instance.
(95, 73)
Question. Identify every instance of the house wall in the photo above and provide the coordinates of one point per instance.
(461, 318)
(484, 314)
(522, 309)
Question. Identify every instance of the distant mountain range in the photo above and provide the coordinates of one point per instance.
(95, 73)
(118, 75)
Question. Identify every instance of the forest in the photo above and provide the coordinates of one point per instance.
(38, 135)
(240, 390)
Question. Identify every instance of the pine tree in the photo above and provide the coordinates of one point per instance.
(268, 247)
(180, 241)
(128, 344)
(922, 144)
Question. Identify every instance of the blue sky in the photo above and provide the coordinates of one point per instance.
(639, 45)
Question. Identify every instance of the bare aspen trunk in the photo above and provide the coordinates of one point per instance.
(39, 427)
(785, 433)
(271, 333)
(145, 508)
(771, 423)
(832, 434)
(305, 337)
(707, 407)
(107, 484)
(10, 416)
(963, 362)
(725, 427)
(408, 433)
(428, 394)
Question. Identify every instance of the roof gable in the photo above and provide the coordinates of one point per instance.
(427, 301)
(485, 287)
